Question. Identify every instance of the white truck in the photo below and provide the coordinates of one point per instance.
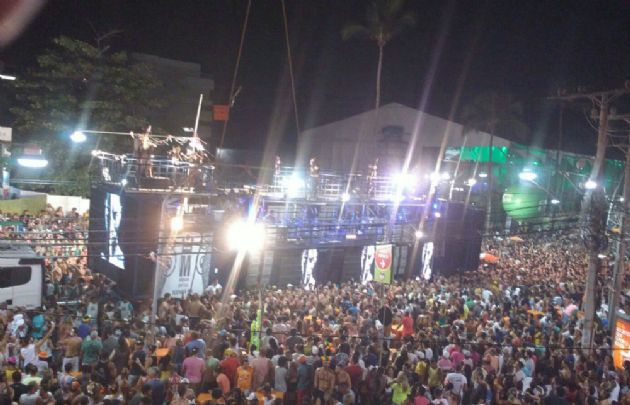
(21, 276)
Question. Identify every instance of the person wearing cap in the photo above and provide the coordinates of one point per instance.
(85, 327)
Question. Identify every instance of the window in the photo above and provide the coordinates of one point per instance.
(14, 276)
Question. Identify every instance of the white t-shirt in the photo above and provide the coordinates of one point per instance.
(458, 380)
(28, 354)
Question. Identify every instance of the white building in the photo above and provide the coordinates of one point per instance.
(401, 133)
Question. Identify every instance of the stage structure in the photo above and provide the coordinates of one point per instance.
(319, 227)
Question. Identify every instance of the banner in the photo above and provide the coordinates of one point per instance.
(621, 343)
(255, 330)
(185, 269)
(220, 112)
(383, 264)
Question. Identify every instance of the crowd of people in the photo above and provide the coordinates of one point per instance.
(509, 333)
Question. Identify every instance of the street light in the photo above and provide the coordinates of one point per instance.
(78, 137)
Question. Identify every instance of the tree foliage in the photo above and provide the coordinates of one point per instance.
(75, 85)
(497, 114)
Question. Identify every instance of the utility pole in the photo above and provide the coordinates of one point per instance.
(591, 213)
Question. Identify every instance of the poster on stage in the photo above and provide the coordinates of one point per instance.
(383, 264)
(621, 343)
(185, 267)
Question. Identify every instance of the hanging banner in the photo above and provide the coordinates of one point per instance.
(255, 330)
(621, 343)
(185, 268)
(220, 112)
(383, 264)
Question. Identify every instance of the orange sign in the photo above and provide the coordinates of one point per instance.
(220, 112)
(621, 343)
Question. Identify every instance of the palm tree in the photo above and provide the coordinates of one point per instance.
(494, 113)
(384, 20)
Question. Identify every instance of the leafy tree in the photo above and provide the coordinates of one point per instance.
(384, 19)
(75, 85)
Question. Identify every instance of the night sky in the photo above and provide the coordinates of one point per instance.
(526, 48)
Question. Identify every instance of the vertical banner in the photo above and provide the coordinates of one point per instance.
(383, 264)
(621, 343)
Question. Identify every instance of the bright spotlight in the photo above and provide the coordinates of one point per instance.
(95, 152)
(246, 236)
(555, 201)
(33, 163)
(437, 215)
(78, 137)
(419, 234)
(294, 185)
(471, 182)
(601, 256)
(407, 181)
(188, 129)
(590, 185)
(526, 175)
(434, 177)
(177, 223)
(345, 197)
(7, 77)
(483, 175)
(123, 182)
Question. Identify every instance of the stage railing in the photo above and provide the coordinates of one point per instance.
(124, 170)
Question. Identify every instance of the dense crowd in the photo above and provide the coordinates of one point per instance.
(508, 333)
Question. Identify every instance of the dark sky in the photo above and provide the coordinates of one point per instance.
(526, 48)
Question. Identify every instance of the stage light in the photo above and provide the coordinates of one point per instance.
(78, 137)
(601, 256)
(95, 152)
(177, 223)
(590, 185)
(123, 182)
(527, 175)
(555, 201)
(471, 182)
(434, 177)
(406, 180)
(188, 129)
(621, 199)
(437, 215)
(294, 185)
(345, 197)
(483, 175)
(246, 236)
(445, 176)
(7, 77)
(33, 162)
(419, 234)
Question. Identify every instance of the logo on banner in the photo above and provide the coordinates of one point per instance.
(383, 264)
